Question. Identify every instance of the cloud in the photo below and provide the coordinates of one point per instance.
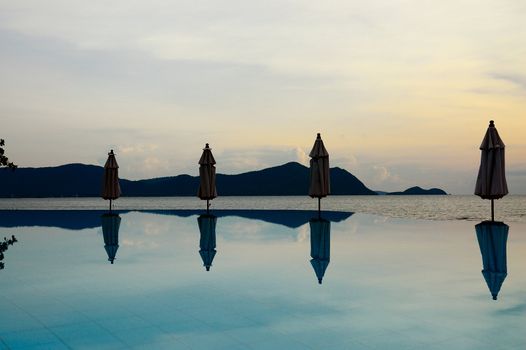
(381, 173)
(516, 79)
(254, 158)
(137, 149)
(347, 161)
(382, 176)
(142, 160)
(302, 156)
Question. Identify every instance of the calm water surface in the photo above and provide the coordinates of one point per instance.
(386, 283)
(509, 209)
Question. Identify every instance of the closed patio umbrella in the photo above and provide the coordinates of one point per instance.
(319, 171)
(492, 237)
(320, 246)
(110, 186)
(207, 241)
(491, 180)
(110, 231)
(207, 176)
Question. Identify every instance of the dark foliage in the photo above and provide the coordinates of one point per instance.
(4, 161)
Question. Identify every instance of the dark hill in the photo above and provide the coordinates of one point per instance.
(68, 180)
(79, 180)
(419, 191)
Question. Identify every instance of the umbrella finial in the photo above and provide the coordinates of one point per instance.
(319, 280)
(491, 124)
(207, 146)
(111, 152)
(318, 136)
(494, 296)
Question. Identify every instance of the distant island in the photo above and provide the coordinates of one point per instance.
(418, 191)
(81, 180)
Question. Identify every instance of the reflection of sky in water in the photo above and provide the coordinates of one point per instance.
(391, 283)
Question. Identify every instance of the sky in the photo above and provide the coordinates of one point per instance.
(401, 90)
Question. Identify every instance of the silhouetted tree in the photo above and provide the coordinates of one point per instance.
(4, 161)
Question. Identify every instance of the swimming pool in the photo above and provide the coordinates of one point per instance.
(385, 283)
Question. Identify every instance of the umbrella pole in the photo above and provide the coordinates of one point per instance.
(207, 206)
(319, 207)
(492, 211)
(110, 206)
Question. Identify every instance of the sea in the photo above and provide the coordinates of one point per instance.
(511, 208)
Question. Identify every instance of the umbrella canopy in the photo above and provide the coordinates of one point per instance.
(491, 179)
(492, 237)
(207, 242)
(110, 231)
(320, 246)
(207, 175)
(110, 185)
(319, 170)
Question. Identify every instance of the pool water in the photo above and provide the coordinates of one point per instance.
(139, 279)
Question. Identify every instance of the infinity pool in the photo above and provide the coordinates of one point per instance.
(276, 280)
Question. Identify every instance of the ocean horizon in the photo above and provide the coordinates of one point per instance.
(511, 208)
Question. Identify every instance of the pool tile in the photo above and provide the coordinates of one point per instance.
(18, 321)
(161, 345)
(123, 323)
(322, 337)
(394, 342)
(185, 328)
(142, 336)
(350, 345)
(48, 346)
(465, 343)
(253, 334)
(221, 321)
(279, 342)
(61, 318)
(103, 313)
(7, 307)
(29, 339)
(503, 336)
(87, 335)
(168, 317)
(211, 340)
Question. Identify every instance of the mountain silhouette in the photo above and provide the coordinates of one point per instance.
(419, 191)
(80, 180)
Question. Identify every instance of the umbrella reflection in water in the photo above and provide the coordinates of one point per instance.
(207, 242)
(320, 246)
(492, 237)
(110, 230)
